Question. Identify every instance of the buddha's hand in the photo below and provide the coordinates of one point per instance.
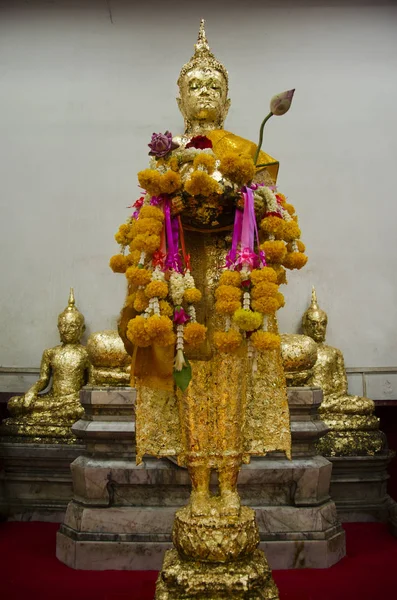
(28, 400)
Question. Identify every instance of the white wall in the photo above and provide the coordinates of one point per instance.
(80, 97)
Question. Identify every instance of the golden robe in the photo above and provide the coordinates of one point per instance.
(230, 411)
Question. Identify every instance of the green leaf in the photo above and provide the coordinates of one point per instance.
(182, 378)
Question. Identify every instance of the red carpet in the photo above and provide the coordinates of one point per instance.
(29, 570)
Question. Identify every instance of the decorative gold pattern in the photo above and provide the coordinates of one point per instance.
(299, 353)
(49, 417)
(354, 427)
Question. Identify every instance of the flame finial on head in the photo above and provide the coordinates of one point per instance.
(203, 58)
(71, 313)
(314, 312)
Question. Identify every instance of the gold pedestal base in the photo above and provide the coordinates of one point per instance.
(351, 443)
(246, 579)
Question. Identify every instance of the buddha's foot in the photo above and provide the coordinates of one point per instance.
(230, 504)
(200, 504)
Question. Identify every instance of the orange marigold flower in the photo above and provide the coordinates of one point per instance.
(151, 212)
(273, 225)
(204, 160)
(295, 260)
(228, 292)
(192, 295)
(149, 179)
(289, 208)
(299, 243)
(230, 278)
(124, 234)
(145, 242)
(194, 334)
(291, 231)
(133, 258)
(138, 276)
(118, 263)
(280, 299)
(170, 182)
(265, 274)
(274, 250)
(148, 225)
(166, 308)
(264, 288)
(227, 341)
(266, 305)
(201, 184)
(156, 289)
(239, 168)
(281, 274)
(227, 307)
(137, 332)
(247, 320)
(158, 326)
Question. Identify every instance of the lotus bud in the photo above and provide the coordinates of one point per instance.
(280, 104)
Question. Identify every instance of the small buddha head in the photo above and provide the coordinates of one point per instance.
(203, 88)
(314, 321)
(71, 323)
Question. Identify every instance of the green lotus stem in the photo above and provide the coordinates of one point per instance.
(261, 137)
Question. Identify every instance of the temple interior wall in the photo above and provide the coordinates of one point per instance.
(82, 89)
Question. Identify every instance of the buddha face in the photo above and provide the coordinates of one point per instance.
(315, 326)
(70, 328)
(203, 98)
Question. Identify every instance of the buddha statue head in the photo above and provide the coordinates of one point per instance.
(203, 88)
(71, 323)
(314, 321)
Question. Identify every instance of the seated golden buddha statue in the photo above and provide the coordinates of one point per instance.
(234, 403)
(49, 416)
(354, 427)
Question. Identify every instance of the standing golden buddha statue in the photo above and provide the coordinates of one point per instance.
(354, 429)
(50, 416)
(199, 322)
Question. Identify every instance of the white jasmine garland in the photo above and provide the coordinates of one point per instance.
(158, 275)
(177, 288)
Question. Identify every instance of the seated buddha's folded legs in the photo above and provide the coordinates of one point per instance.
(355, 405)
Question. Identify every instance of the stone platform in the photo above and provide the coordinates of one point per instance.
(121, 514)
(35, 480)
(359, 487)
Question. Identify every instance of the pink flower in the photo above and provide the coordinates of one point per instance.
(280, 104)
(180, 316)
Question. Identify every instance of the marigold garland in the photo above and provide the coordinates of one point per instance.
(133, 258)
(151, 212)
(274, 226)
(158, 327)
(148, 225)
(166, 308)
(201, 184)
(230, 278)
(227, 341)
(264, 288)
(299, 244)
(295, 260)
(194, 334)
(140, 302)
(240, 169)
(124, 234)
(118, 263)
(281, 274)
(137, 332)
(192, 295)
(291, 231)
(227, 307)
(265, 340)
(204, 160)
(149, 179)
(247, 320)
(138, 276)
(156, 289)
(266, 305)
(274, 250)
(228, 292)
(170, 182)
(145, 243)
(280, 299)
(265, 274)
